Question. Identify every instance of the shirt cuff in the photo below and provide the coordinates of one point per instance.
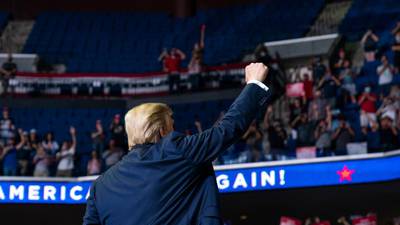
(258, 83)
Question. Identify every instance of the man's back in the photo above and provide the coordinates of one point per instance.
(172, 182)
(156, 185)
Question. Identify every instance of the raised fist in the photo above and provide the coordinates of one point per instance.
(256, 71)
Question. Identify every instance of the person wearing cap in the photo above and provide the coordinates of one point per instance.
(167, 178)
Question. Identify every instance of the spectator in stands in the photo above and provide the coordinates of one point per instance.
(25, 152)
(33, 138)
(7, 72)
(41, 162)
(118, 131)
(396, 46)
(50, 145)
(196, 62)
(94, 165)
(388, 133)
(66, 156)
(370, 44)
(323, 134)
(373, 138)
(346, 100)
(343, 135)
(296, 109)
(9, 158)
(385, 72)
(253, 142)
(346, 78)
(317, 107)
(305, 130)
(265, 126)
(112, 155)
(308, 87)
(339, 63)
(98, 137)
(366, 101)
(388, 107)
(172, 65)
(198, 125)
(7, 128)
(262, 54)
(329, 85)
(277, 138)
(319, 69)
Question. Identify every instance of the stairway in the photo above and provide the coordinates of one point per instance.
(330, 18)
(15, 35)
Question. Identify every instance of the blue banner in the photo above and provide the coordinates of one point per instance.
(229, 180)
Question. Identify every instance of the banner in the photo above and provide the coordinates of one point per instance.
(343, 170)
(290, 221)
(44, 192)
(295, 90)
(368, 220)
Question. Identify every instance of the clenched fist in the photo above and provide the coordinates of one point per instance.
(256, 71)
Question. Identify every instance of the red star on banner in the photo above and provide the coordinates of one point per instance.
(345, 174)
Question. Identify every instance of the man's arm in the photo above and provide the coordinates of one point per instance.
(181, 54)
(205, 147)
(91, 215)
(163, 54)
(366, 35)
(202, 35)
(396, 28)
(72, 131)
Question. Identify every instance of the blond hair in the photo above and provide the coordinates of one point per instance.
(143, 122)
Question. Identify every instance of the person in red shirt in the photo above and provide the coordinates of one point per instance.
(308, 87)
(172, 65)
(367, 102)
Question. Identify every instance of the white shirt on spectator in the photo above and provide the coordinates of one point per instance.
(305, 70)
(386, 77)
(67, 159)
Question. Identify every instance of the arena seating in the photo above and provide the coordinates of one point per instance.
(131, 42)
(58, 120)
(370, 14)
(3, 20)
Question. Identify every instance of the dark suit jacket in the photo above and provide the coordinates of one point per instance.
(172, 181)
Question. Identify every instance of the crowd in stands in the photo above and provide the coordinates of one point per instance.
(335, 110)
(172, 59)
(24, 153)
(334, 106)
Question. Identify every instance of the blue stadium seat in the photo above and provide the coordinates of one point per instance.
(78, 37)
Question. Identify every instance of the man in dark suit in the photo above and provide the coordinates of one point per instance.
(167, 177)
